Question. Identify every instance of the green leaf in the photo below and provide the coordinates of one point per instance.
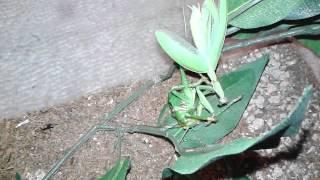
(208, 27)
(182, 52)
(119, 171)
(176, 176)
(218, 27)
(18, 176)
(307, 9)
(198, 23)
(314, 45)
(191, 162)
(264, 13)
(234, 4)
(241, 82)
(244, 35)
(261, 32)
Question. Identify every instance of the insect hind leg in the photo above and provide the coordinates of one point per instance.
(227, 106)
(162, 116)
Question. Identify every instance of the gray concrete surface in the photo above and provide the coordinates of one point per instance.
(54, 51)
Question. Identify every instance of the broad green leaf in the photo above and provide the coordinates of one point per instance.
(208, 27)
(119, 171)
(261, 32)
(314, 45)
(218, 31)
(264, 13)
(234, 4)
(202, 22)
(241, 82)
(310, 31)
(191, 162)
(18, 176)
(182, 52)
(241, 35)
(308, 8)
(176, 176)
(198, 21)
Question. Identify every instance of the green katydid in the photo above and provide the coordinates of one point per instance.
(186, 106)
(208, 27)
(186, 102)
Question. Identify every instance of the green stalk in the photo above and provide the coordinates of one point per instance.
(304, 30)
(142, 129)
(70, 152)
(120, 107)
(232, 30)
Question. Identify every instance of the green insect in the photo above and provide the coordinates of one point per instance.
(187, 102)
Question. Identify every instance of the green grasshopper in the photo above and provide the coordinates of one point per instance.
(187, 101)
(208, 27)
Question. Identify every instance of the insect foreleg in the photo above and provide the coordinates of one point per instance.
(207, 89)
(217, 87)
(202, 80)
(192, 85)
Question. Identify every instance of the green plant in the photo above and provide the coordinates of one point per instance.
(119, 171)
(273, 21)
(196, 105)
(208, 27)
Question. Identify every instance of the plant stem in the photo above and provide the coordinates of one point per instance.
(121, 106)
(232, 30)
(70, 152)
(304, 30)
(143, 129)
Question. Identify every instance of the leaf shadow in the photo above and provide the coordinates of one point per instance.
(250, 161)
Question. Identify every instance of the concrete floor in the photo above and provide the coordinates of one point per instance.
(52, 52)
